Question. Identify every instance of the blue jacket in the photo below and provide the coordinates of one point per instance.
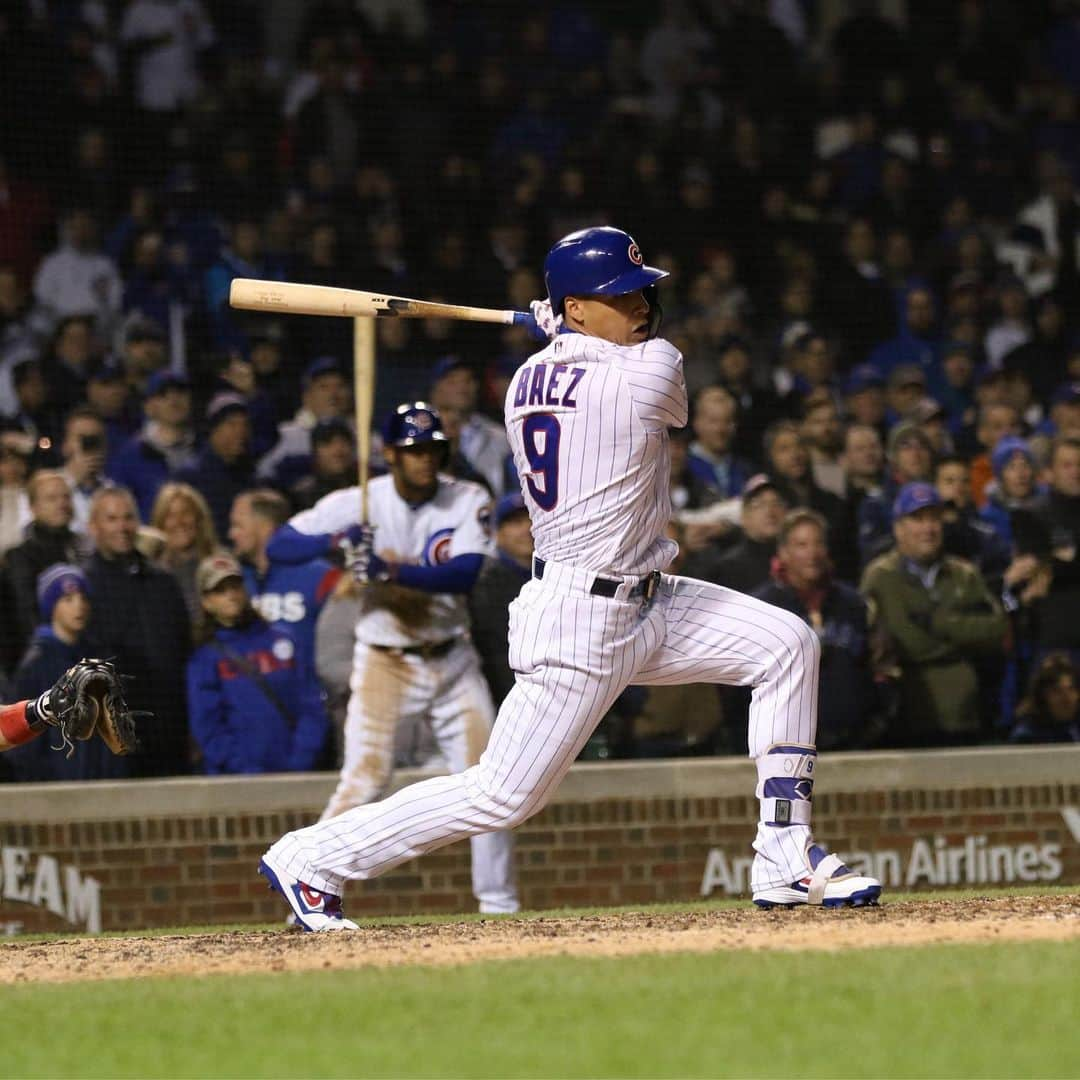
(45, 661)
(998, 511)
(143, 469)
(874, 522)
(703, 471)
(238, 727)
(218, 483)
(290, 598)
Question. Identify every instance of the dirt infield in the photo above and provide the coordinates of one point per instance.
(989, 919)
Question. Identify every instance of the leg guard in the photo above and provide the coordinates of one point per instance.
(785, 785)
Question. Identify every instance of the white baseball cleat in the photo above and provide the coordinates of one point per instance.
(829, 883)
(314, 910)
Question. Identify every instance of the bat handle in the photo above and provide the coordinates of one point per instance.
(524, 318)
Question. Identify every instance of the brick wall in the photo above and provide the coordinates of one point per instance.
(184, 851)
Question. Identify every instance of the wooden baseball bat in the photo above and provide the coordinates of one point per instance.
(293, 298)
(363, 401)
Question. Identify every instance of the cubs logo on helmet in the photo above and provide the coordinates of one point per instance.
(412, 423)
(600, 261)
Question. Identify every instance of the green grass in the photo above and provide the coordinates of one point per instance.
(993, 1010)
(956, 1011)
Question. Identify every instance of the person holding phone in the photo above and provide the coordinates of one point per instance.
(83, 449)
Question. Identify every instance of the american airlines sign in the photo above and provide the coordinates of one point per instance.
(931, 861)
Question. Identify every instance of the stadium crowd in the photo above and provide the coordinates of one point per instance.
(870, 216)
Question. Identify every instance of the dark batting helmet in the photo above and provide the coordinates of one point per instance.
(601, 261)
(413, 423)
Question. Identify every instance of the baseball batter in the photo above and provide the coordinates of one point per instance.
(587, 419)
(413, 658)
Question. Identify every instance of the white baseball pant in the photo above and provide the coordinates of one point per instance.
(574, 653)
(392, 689)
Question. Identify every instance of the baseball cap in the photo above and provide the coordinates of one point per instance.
(731, 341)
(57, 581)
(793, 333)
(914, 497)
(756, 485)
(269, 330)
(221, 405)
(863, 377)
(1066, 394)
(926, 409)
(106, 373)
(446, 364)
(1007, 448)
(215, 569)
(323, 365)
(907, 375)
(964, 280)
(143, 328)
(164, 380)
(331, 427)
(905, 431)
(987, 374)
(508, 505)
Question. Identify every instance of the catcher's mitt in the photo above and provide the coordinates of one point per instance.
(87, 699)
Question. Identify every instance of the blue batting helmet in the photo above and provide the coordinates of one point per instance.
(412, 423)
(600, 261)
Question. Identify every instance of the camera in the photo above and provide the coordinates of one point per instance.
(92, 444)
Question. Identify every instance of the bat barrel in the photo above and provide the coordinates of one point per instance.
(296, 298)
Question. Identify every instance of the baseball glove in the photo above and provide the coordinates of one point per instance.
(89, 699)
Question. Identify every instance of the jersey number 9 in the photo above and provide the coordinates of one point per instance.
(541, 434)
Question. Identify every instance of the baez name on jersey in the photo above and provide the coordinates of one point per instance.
(540, 384)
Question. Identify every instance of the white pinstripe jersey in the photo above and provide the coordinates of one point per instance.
(455, 522)
(587, 422)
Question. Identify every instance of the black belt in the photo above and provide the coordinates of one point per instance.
(433, 651)
(609, 587)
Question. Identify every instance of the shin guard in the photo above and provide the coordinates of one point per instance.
(785, 785)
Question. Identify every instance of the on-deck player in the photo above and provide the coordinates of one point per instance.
(413, 657)
(587, 419)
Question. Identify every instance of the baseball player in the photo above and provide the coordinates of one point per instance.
(587, 419)
(413, 658)
(22, 722)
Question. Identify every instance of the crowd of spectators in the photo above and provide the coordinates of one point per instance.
(869, 212)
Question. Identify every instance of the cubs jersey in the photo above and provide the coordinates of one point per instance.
(588, 422)
(456, 521)
(290, 598)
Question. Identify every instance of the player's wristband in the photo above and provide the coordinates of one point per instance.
(38, 712)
